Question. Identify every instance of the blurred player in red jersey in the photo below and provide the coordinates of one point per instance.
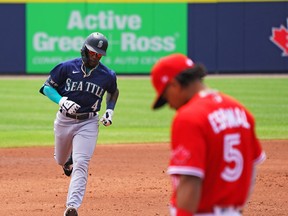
(214, 148)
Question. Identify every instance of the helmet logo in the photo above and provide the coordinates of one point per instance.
(100, 44)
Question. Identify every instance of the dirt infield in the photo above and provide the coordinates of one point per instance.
(123, 180)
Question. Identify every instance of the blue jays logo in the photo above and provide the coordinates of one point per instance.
(280, 38)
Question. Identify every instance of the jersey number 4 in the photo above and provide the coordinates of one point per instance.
(95, 105)
(232, 154)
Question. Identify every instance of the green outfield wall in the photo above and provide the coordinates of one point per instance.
(227, 36)
(136, 2)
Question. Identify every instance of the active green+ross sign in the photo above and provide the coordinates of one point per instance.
(138, 34)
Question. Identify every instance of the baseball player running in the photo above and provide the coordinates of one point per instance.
(213, 142)
(78, 86)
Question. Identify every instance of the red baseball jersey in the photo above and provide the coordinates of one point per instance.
(213, 137)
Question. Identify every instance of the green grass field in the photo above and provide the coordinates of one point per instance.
(27, 116)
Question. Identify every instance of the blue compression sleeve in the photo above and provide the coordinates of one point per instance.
(52, 94)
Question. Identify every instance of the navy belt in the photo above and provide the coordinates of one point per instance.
(81, 116)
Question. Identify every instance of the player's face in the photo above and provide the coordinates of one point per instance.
(173, 95)
(94, 58)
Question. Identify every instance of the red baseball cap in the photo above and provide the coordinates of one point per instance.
(164, 70)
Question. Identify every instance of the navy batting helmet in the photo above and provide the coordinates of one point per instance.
(95, 42)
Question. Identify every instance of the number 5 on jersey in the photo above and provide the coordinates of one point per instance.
(232, 154)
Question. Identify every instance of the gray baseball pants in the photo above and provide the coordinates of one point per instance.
(78, 137)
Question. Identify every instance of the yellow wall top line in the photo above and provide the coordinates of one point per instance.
(136, 1)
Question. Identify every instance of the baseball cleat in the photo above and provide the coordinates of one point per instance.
(68, 166)
(71, 211)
